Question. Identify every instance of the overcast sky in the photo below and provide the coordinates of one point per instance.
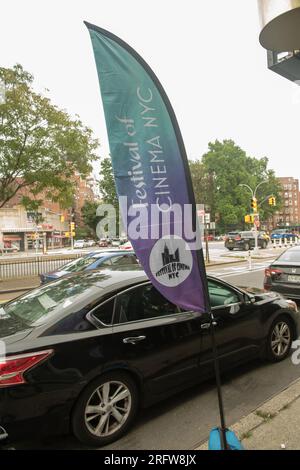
(205, 53)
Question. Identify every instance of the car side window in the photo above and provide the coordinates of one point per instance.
(104, 313)
(142, 303)
(122, 260)
(221, 295)
(106, 262)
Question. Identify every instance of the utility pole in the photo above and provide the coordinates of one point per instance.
(254, 212)
(72, 228)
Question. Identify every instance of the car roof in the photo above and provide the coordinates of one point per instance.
(100, 254)
(292, 248)
(110, 279)
(114, 278)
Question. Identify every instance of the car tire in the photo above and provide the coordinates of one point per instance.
(246, 247)
(264, 245)
(282, 327)
(99, 394)
(230, 249)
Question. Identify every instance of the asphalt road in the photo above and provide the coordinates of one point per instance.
(184, 421)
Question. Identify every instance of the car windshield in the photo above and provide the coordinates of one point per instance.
(247, 234)
(290, 256)
(60, 297)
(79, 264)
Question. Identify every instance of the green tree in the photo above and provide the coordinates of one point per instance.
(219, 175)
(89, 215)
(82, 233)
(108, 188)
(201, 183)
(107, 183)
(41, 147)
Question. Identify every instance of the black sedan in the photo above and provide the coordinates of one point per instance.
(283, 275)
(85, 352)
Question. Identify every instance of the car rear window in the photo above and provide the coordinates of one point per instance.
(79, 264)
(290, 256)
(40, 305)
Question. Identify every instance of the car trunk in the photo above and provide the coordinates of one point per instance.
(286, 272)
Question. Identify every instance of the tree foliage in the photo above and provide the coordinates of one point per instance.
(41, 147)
(89, 216)
(217, 180)
(107, 183)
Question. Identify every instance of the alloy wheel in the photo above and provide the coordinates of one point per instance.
(280, 339)
(108, 408)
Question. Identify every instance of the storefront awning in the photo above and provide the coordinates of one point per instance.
(11, 238)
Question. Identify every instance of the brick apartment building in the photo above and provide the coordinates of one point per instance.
(85, 191)
(18, 227)
(289, 214)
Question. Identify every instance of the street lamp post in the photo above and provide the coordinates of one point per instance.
(255, 227)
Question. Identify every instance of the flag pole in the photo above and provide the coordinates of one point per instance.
(218, 383)
(214, 350)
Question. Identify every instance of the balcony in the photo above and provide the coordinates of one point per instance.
(285, 64)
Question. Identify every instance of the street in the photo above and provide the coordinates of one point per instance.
(183, 421)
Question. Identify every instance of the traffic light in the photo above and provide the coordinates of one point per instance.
(254, 205)
(272, 201)
(72, 226)
(62, 218)
(249, 219)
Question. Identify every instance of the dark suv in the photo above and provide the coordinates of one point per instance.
(244, 241)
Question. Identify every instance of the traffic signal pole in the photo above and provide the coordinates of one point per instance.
(255, 237)
(255, 213)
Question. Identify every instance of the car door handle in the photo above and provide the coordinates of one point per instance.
(133, 339)
(206, 326)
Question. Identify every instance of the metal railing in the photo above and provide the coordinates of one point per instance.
(18, 268)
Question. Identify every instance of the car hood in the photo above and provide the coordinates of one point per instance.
(261, 293)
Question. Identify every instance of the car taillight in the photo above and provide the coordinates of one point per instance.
(237, 237)
(12, 368)
(269, 272)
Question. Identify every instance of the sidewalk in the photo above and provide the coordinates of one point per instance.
(24, 283)
(275, 425)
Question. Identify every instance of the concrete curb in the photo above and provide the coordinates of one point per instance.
(222, 263)
(262, 415)
(18, 289)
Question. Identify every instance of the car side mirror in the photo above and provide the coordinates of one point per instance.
(249, 300)
(235, 308)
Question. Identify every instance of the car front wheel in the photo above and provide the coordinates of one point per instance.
(105, 409)
(246, 247)
(279, 339)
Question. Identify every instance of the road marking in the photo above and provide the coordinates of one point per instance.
(244, 272)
